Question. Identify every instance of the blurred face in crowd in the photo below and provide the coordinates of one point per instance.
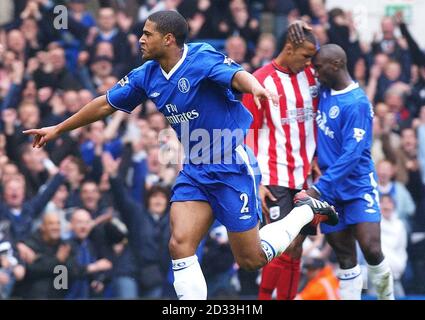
(381, 110)
(394, 100)
(29, 28)
(157, 121)
(105, 48)
(74, 173)
(318, 9)
(107, 84)
(90, 195)
(150, 138)
(266, 47)
(81, 223)
(387, 207)
(60, 196)
(385, 171)
(320, 33)
(33, 159)
(143, 125)
(236, 49)
(96, 130)
(101, 68)
(9, 170)
(157, 203)
(75, 6)
(392, 70)
(72, 101)
(409, 141)
(299, 57)
(381, 60)
(51, 227)
(360, 70)
(106, 20)
(14, 192)
(29, 114)
(16, 41)
(387, 27)
(85, 96)
(57, 58)
(153, 160)
(239, 12)
(8, 58)
(30, 91)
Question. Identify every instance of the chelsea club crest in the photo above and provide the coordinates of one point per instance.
(183, 85)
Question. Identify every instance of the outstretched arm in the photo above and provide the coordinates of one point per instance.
(245, 82)
(96, 109)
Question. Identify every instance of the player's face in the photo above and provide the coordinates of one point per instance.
(300, 57)
(323, 71)
(151, 42)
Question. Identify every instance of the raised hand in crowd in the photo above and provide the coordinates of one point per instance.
(110, 165)
(63, 252)
(26, 253)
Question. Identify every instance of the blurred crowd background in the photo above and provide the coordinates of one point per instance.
(96, 200)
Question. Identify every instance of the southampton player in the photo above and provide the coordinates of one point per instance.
(349, 180)
(284, 143)
(191, 85)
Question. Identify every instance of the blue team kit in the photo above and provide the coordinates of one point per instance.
(344, 138)
(196, 99)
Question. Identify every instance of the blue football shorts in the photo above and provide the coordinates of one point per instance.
(365, 208)
(230, 189)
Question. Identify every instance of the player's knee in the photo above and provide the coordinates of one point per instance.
(251, 263)
(373, 253)
(179, 247)
(347, 261)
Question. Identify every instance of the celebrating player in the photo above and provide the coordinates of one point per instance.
(191, 85)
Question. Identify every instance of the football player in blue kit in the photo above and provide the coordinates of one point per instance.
(348, 182)
(191, 84)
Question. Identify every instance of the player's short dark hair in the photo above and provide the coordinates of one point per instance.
(171, 22)
(308, 35)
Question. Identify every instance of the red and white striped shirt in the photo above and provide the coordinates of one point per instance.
(283, 137)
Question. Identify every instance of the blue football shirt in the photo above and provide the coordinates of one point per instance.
(344, 121)
(195, 97)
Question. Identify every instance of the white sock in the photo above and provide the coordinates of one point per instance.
(382, 278)
(276, 236)
(350, 283)
(189, 281)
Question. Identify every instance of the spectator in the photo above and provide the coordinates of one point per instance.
(405, 207)
(21, 213)
(42, 252)
(394, 242)
(322, 282)
(89, 279)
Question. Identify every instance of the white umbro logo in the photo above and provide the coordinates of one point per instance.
(245, 217)
(155, 94)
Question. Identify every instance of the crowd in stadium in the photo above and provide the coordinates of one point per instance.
(96, 200)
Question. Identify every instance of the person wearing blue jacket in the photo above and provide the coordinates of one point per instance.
(344, 121)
